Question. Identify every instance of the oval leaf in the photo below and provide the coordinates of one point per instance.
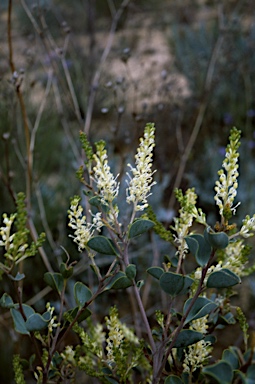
(82, 294)
(66, 271)
(19, 276)
(218, 240)
(19, 322)
(201, 308)
(173, 380)
(131, 271)
(36, 323)
(187, 337)
(140, 226)
(54, 280)
(221, 371)
(122, 283)
(72, 313)
(175, 284)
(200, 248)
(223, 279)
(156, 272)
(6, 301)
(102, 244)
(231, 356)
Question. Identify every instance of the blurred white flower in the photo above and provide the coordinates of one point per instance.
(141, 181)
(226, 186)
(77, 221)
(106, 183)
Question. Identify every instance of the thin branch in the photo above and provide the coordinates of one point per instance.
(95, 81)
(199, 119)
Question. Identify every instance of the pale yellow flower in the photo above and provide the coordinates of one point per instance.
(141, 181)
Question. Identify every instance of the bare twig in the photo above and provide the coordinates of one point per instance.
(199, 119)
(97, 75)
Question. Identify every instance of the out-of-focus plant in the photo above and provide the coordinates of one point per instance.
(177, 344)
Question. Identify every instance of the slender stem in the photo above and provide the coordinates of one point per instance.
(144, 317)
(96, 78)
(199, 119)
(176, 332)
(17, 84)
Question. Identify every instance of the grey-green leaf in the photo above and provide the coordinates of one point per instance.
(131, 271)
(140, 226)
(19, 322)
(187, 337)
(6, 301)
(156, 272)
(200, 248)
(36, 323)
(230, 355)
(73, 312)
(19, 276)
(175, 284)
(201, 308)
(102, 244)
(172, 379)
(54, 280)
(82, 294)
(223, 279)
(122, 282)
(221, 371)
(218, 240)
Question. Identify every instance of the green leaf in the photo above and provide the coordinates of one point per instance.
(102, 244)
(46, 316)
(19, 322)
(218, 240)
(187, 337)
(221, 371)
(66, 271)
(6, 301)
(140, 226)
(36, 323)
(131, 271)
(230, 355)
(228, 318)
(223, 279)
(201, 308)
(175, 284)
(82, 294)
(122, 282)
(156, 272)
(27, 310)
(250, 375)
(200, 248)
(73, 312)
(18, 277)
(172, 379)
(54, 280)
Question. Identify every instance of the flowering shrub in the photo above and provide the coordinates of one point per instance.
(179, 347)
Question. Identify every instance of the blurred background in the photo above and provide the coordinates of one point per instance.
(108, 67)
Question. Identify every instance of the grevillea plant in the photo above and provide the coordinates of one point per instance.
(179, 346)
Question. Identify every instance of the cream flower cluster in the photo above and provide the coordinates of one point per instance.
(197, 354)
(52, 324)
(83, 231)
(139, 185)
(105, 181)
(115, 335)
(213, 268)
(226, 186)
(248, 226)
(187, 213)
(5, 232)
(233, 259)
